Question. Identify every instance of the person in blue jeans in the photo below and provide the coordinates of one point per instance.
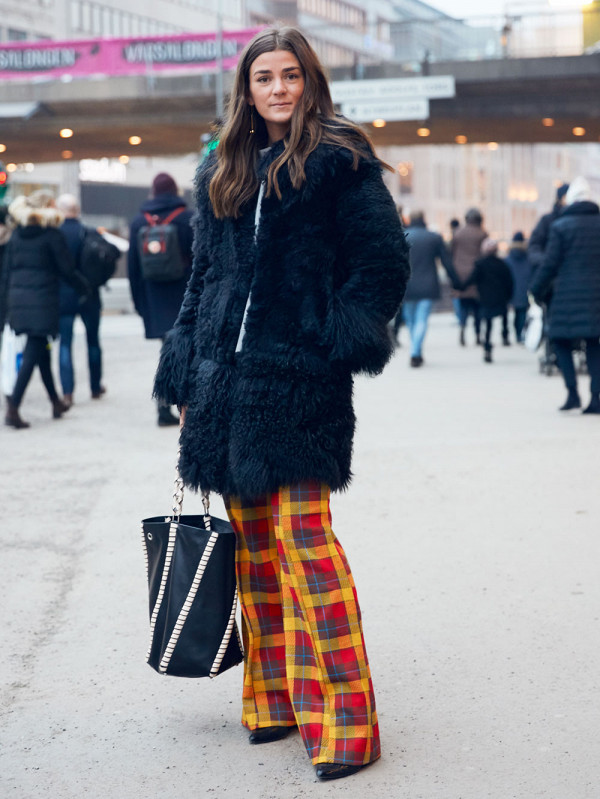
(423, 289)
(89, 311)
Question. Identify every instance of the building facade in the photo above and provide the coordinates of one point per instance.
(511, 184)
(76, 19)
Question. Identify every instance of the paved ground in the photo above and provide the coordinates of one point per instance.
(473, 530)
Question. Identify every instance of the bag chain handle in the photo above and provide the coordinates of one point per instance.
(178, 501)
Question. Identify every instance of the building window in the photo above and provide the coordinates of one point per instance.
(96, 20)
(15, 35)
(106, 20)
(405, 173)
(116, 23)
(75, 15)
(85, 18)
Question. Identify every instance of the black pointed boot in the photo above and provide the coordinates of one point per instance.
(594, 406)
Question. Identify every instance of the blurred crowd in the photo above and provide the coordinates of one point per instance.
(544, 289)
(52, 268)
(549, 286)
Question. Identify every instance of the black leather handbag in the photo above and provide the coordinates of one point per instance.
(192, 592)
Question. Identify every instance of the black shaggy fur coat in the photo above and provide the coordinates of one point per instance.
(326, 271)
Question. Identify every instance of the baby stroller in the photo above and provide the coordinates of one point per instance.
(536, 338)
(547, 361)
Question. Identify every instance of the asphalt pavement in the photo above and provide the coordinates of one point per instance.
(472, 527)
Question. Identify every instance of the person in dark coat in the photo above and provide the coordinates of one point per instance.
(70, 306)
(538, 240)
(571, 266)
(494, 285)
(423, 289)
(36, 259)
(158, 303)
(300, 262)
(466, 249)
(521, 270)
(4, 237)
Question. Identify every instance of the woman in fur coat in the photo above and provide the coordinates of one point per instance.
(300, 262)
(35, 260)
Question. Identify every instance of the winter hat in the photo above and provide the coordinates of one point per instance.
(518, 242)
(36, 209)
(163, 183)
(561, 191)
(578, 190)
(40, 199)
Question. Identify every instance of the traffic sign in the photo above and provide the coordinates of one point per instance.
(402, 110)
(393, 89)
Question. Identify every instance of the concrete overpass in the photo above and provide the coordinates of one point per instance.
(498, 100)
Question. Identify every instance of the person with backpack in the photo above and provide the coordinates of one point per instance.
(90, 311)
(159, 264)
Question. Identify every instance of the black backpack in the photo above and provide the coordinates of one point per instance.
(161, 260)
(98, 258)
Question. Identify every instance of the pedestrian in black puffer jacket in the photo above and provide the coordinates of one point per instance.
(572, 267)
(494, 283)
(4, 237)
(36, 259)
(158, 303)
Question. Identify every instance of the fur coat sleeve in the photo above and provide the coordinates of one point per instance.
(374, 271)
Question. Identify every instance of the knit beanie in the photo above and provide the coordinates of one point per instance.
(163, 183)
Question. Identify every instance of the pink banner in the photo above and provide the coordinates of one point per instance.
(188, 52)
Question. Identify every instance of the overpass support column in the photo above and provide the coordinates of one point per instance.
(69, 182)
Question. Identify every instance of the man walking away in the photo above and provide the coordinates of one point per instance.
(161, 231)
(423, 289)
(90, 310)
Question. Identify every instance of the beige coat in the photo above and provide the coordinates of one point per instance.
(466, 249)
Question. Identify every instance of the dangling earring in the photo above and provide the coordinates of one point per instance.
(251, 119)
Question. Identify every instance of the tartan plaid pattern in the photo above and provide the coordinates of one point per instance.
(306, 662)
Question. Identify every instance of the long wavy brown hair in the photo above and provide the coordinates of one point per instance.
(313, 120)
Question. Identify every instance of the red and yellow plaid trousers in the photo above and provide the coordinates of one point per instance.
(306, 662)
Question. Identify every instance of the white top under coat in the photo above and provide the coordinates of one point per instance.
(261, 191)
